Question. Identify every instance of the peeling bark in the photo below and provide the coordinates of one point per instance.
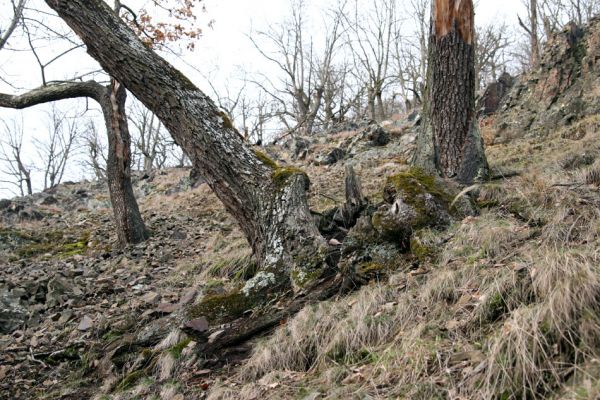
(272, 213)
(450, 143)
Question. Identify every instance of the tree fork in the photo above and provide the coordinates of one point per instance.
(450, 143)
(272, 213)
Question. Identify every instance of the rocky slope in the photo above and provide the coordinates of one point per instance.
(501, 304)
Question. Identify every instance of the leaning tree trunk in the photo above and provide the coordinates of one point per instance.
(128, 220)
(450, 143)
(269, 202)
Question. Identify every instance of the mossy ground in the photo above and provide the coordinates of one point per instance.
(224, 307)
(54, 243)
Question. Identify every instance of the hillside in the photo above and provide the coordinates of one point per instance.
(504, 303)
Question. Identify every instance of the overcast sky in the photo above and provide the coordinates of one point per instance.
(221, 52)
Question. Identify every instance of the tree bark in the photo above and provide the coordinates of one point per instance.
(268, 202)
(128, 220)
(535, 45)
(130, 226)
(450, 143)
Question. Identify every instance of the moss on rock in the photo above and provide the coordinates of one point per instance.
(414, 200)
(424, 246)
(54, 243)
(221, 308)
(414, 183)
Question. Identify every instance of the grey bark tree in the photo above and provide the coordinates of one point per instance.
(532, 31)
(450, 143)
(130, 226)
(269, 202)
(128, 220)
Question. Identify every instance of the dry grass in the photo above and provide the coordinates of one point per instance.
(510, 311)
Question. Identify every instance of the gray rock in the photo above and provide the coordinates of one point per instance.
(12, 313)
(333, 157)
(378, 136)
(86, 323)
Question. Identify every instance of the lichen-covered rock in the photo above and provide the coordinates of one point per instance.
(402, 229)
(413, 200)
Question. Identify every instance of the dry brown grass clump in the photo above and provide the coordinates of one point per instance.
(540, 346)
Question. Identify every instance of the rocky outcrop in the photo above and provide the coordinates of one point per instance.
(494, 94)
(559, 95)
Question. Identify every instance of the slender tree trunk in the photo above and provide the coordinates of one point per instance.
(535, 45)
(128, 220)
(268, 202)
(450, 143)
(130, 225)
(380, 106)
(371, 103)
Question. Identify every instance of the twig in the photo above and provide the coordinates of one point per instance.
(32, 358)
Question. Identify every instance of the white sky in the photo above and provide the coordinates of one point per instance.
(219, 54)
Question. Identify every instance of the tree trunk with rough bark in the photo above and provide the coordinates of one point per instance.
(450, 143)
(130, 226)
(268, 201)
(128, 220)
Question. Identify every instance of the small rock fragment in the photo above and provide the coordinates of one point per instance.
(198, 324)
(85, 324)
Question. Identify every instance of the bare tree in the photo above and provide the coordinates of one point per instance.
(306, 73)
(410, 55)
(531, 28)
(149, 138)
(111, 98)
(268, 201)
(96, 151)
(56, 149)
(6, 33)
(372, 36)
(491, 55)
(11, 154)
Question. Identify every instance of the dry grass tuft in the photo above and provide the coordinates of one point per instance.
(540, 345)
(488, 236)
(591, 175)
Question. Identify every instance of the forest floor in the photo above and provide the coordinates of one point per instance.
(504, 304)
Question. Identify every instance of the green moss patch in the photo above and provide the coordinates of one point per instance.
(282, 175)
(415, 183)
(221, 308)
(265, 159)
(176, 350)
(55, 244)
